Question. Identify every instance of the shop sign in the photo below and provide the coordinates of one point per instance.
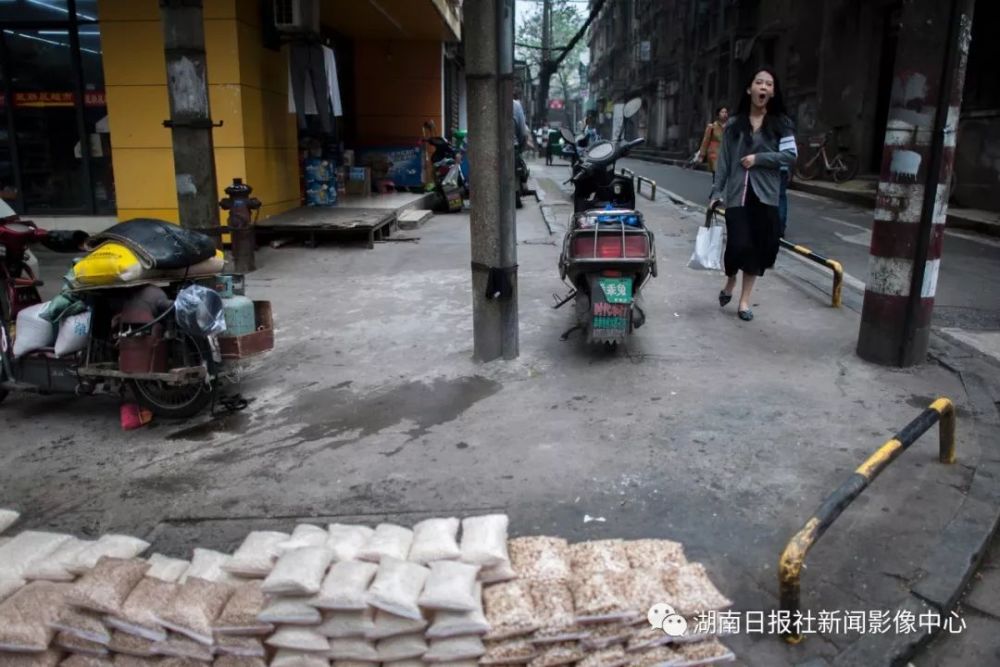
(42, 99)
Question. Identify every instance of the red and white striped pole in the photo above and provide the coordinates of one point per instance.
(912, 202)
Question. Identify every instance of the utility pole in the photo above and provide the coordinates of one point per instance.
(190, 118)
(545, 70)
(489, 57)
(912, 202)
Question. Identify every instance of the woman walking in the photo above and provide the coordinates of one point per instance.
(756, 143)
(710, 143)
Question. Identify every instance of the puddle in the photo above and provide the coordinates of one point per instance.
(333, 411)
(232, 423)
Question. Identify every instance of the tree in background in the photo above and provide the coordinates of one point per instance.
(566, 22)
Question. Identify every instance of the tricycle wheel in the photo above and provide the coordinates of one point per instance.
(172, 401)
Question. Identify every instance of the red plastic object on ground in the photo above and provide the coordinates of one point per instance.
(134, 417)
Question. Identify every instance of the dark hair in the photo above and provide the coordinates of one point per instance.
(724, 106)
(777, 115)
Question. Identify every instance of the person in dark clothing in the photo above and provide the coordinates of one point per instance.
(757, 142)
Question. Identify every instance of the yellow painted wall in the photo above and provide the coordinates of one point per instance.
(247, 92)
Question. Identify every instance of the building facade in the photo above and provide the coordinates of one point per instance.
(835, 59)
(84, 96)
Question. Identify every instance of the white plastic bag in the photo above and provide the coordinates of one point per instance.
(26, 549)
(7, 519)
(33, 331)
(298, 572)
(455, 648)
(207, 564)
(344, 624)
(708, 246)
(304, 535)
(390, 625)
(484, 540)
(397, 587)
(298, 639)
(74, 331)
(256, 556)
(352, 649)
(435, 539)
(113, 546)
(457, 623)
(345, 541)
(404, 647)
(165, 568)
(451, 586)
(389, 540)
(290, 611)
(345, 586)
(55, 566)
(288, 658)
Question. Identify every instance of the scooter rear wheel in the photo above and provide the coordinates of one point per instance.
(176, 401)
(172, 402)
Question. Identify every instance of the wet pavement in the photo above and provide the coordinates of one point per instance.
(722, 434)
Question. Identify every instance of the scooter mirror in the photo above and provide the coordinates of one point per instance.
(567, 134)
(632, 107)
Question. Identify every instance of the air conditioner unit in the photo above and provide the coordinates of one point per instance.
(298, 16)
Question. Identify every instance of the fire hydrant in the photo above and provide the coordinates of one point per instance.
(243, 240)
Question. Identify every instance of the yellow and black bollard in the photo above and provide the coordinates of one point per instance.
(793, 557)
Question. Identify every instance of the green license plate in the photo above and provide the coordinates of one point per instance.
(616, 290)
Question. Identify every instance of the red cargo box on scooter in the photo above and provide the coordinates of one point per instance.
(251, 344)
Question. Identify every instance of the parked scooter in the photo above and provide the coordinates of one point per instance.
(449, 181)
(608, 255)
(574, 146)
(134, 339)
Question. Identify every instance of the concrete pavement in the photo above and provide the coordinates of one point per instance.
(722, 434)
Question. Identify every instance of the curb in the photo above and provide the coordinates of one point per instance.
(867, 200)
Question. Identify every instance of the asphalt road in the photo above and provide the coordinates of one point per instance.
(968, 291)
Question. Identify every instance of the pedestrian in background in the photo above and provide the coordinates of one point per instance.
(553, 146)
(712, 141)
(756, 143)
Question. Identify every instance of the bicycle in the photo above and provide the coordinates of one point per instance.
(843, 167)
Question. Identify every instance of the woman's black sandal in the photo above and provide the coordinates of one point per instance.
(745, 315)
(724, 298)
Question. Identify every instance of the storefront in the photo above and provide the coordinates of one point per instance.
(55, 149)
(83, 97)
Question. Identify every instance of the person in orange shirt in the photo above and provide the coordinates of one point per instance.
(712, 140)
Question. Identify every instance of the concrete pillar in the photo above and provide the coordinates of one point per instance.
(489, 65)
(912, 202)
(190, 116)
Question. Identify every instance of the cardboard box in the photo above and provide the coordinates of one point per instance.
(359, 181)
